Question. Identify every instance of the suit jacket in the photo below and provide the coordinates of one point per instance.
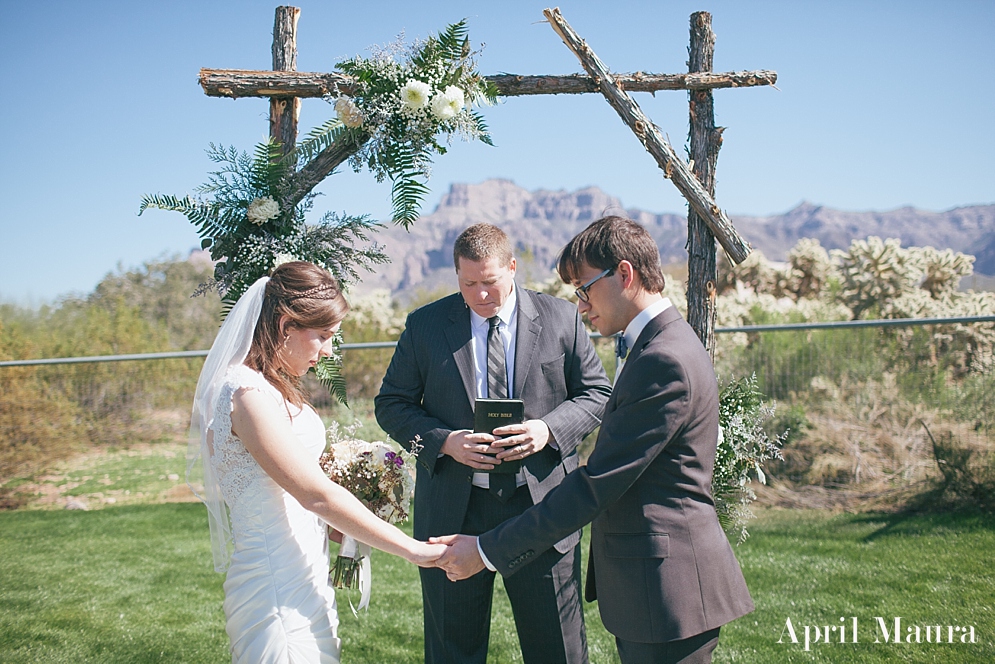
(661, 567)
(429, 391)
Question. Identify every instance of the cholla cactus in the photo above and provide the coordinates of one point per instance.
(810, 269)
(755, 273)
(942, 270)
(375, 311)
(972, 346)
(875, 272)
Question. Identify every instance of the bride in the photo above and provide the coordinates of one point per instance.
(269, 504)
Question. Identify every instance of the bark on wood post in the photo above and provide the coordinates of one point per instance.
(236, 83)
(651, 138)
(706, 139)
(322, 165)
(285, 111)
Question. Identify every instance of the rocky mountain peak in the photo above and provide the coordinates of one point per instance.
(540, 222)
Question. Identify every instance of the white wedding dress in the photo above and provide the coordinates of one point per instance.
(278, 604)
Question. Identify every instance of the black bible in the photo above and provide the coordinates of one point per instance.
(490, 414)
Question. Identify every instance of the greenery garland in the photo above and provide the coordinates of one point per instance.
(251, 215)
(743, 448)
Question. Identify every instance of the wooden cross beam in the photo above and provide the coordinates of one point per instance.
(236, 83)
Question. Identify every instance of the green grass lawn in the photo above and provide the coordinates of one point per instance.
(133, 583)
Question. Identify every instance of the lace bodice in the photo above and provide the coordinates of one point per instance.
(234, 467)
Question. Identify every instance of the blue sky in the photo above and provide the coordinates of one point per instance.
(880, 105)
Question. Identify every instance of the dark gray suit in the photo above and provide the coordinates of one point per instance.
(429, 391)
(661, 567)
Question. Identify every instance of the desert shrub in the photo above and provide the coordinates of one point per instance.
(373, 316)
(48, 412)
(968, 472)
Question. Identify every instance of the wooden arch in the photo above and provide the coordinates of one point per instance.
(285, 87)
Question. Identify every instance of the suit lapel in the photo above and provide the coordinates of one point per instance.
(460, 341)
(652, 329)
(529, 328)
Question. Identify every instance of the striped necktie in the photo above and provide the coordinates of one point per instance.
(502, 485)
(497, 369)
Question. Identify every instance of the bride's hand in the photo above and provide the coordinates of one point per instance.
(424, 554)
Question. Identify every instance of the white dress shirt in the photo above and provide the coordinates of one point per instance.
(508, 329)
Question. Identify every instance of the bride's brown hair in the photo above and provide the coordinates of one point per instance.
(310, 298)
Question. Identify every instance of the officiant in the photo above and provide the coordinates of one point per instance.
(494, 339)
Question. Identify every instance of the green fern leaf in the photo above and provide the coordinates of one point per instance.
(329, 374)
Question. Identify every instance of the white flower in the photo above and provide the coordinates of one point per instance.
(445, 105)
(262, 210)
(414, 95)
(348, 112)
(283, 258)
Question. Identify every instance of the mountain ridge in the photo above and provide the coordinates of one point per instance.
(540, 222)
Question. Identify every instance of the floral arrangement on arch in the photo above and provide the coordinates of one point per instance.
(382, 478)
(246, 218)
(402, 107)
(251, 212)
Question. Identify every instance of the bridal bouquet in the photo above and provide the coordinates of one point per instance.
(382, 479)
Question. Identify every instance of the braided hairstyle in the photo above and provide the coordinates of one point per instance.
(310, 298)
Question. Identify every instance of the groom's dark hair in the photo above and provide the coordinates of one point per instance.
(606, 243)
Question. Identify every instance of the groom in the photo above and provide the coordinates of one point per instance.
(661, 567)
(494, 339)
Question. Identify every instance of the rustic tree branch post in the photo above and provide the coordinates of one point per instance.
(237, 83)
(706, 139)
(649, 135)
(285, 111)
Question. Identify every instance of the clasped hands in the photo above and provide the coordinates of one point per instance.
(509, 443)
(461, 559)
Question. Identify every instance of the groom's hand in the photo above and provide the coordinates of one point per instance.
(461, 560)
(471, 449)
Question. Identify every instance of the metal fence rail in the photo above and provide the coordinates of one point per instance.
(898, 322)
(875, 382)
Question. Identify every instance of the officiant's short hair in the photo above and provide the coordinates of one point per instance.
(480, 242)
(606, 243)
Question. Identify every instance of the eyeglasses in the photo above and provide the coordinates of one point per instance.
(581, 291)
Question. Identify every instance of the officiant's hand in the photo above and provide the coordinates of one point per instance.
(461, 560)
(521, 440)
(471, 449)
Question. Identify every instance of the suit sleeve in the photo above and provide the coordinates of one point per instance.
(588, 389)
(649, 413)
(398, 406)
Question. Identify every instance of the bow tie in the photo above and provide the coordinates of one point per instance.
(621, 348)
